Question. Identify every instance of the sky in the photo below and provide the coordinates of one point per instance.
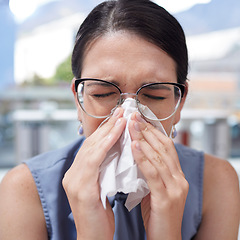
(24, 8)
(30, 60)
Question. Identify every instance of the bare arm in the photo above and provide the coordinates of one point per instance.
(221, 202)
(20, 207)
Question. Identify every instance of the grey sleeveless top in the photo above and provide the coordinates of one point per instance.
(49, 168)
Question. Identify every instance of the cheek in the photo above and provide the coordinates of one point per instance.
(171, 121)
(167, 124)
(90, 124)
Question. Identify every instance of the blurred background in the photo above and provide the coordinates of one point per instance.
(37, 112)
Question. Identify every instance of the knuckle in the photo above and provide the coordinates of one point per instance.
(157, 159)
(163, 149)
(185, 185)
(176, 196)
(72, 189)
(68, 187)
(161, 163)
(150, 127)
(182, 190)
(153, 173)
(180, 194)
(65, 182)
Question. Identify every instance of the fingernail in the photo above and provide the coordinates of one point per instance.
(139, 117)
(136, 126)
(138, 147)
(118, 122)
(109, 136)
(116, 112)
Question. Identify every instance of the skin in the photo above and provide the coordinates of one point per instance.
(112, 57)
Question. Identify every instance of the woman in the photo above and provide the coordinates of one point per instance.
(133, 47)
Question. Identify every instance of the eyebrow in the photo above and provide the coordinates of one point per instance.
(154, 86)
(99, 83)
(158, 86)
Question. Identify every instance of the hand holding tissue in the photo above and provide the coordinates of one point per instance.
(119, 172)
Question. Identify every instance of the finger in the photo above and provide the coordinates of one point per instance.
(99, 143)
(146, 148)
(148, 158)
(107, 124)
(148, 142)
(155, 159)
(166, 152)
(155, 150)
(95, 147)
(109, 132)
(162, 144)
(92, 153)
(157, 175)
(167, 147)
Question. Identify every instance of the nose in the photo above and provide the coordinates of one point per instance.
(125, 96)
(129, 94)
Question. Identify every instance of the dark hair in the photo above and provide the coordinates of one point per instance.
(141, 17)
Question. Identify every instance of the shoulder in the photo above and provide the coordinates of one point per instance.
(21, 172)
(20, 206)
(221, 200)
(219, 177)
(18, 181)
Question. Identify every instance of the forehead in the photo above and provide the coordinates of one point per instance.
(126, 57)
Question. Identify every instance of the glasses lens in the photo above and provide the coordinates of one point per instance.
(98, 98)
(162, 99)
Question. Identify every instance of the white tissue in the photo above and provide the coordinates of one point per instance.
(119, 172)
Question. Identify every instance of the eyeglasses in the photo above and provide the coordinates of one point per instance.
(99, 98)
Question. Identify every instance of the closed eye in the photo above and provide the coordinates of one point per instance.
(103, 95)
(154, 97)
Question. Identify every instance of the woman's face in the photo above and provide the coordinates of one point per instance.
(130, 61)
